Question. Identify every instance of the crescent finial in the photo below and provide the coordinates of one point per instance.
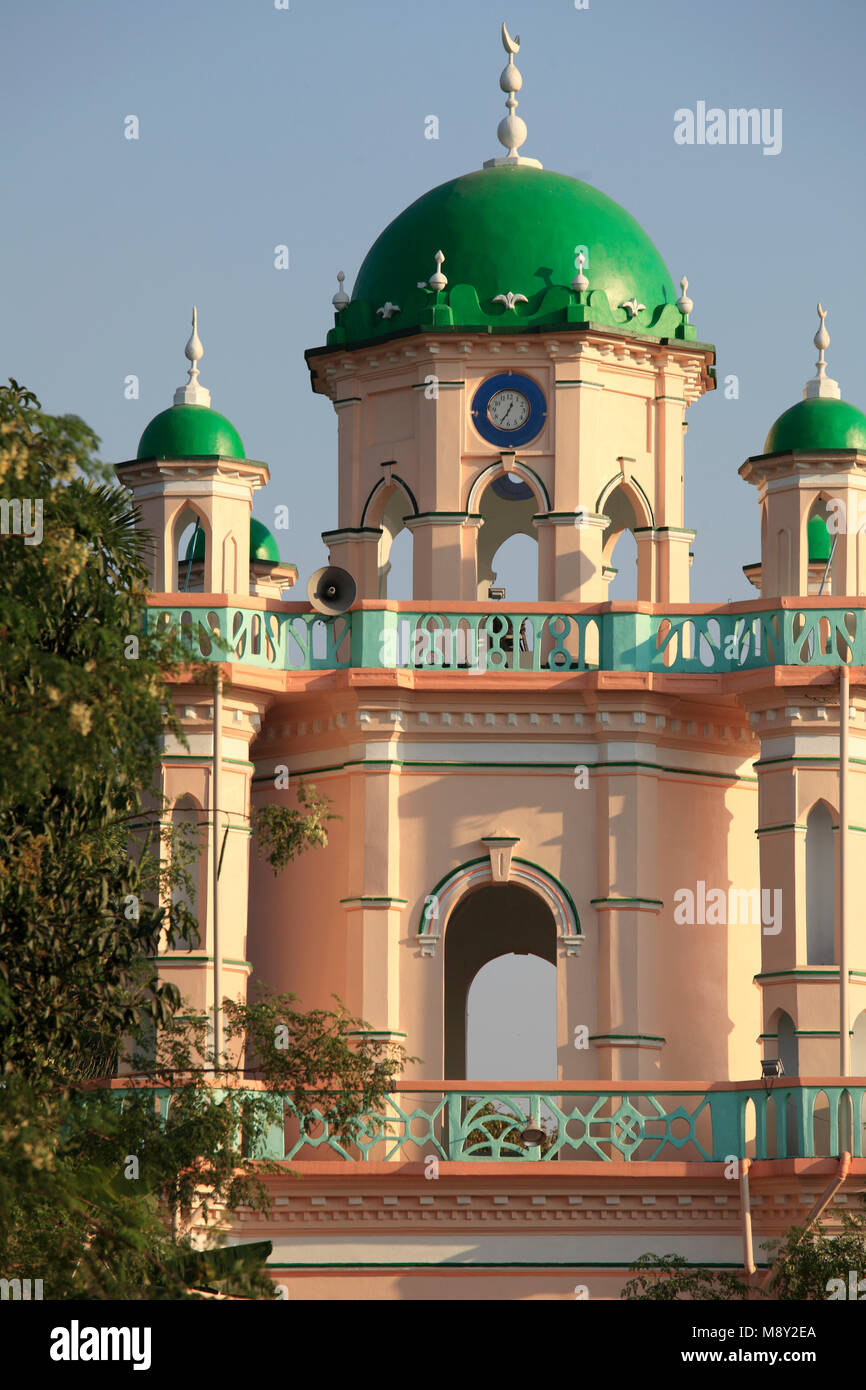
(511, 45)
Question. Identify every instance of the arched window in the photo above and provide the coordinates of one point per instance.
(190, 845)
(502, 924)
(398, 574)
(396, 549)
(787, 1043)
(515, 569)
(511, 1020)
(507, 541)
(190, 544)
(619, 546)
(623, 558)
(819, 549)
(820, 887)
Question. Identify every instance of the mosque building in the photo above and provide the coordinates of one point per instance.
(661, 799)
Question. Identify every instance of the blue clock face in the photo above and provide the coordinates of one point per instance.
(509, 409)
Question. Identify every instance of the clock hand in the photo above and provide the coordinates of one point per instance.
(508, 412)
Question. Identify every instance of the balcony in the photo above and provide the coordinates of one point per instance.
(603, 1122)
(692, 639)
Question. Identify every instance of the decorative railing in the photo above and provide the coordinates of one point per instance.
(485, 637)
(604, 1123)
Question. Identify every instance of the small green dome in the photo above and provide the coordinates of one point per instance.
(816, 424)
(819, 540)
(187, 431)
(263, 547)
(513, 229)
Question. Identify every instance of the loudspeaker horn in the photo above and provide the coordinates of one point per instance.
(331, 590)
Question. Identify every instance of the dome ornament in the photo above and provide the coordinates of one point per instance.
(580, 283)
(684, 304)
(511, 131)
(510, 300)
(388, 310)
(340, 299)
(821, 386)
(437, 280)
(192, 393)
(632, 307)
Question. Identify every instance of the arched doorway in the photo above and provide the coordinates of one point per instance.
(495, 921)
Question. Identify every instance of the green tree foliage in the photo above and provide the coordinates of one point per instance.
(105, 1191)
(803, 1265)
(805, 1261)
(82, 710)
(666, 1277)
(283, 832)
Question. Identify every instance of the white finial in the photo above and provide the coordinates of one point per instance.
(340, 299)
(580, 282)
(437, 280)
(684, 304)
(821, 385)
(511, 131)
(193, 393)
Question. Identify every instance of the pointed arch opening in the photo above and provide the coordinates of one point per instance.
(820, 553)
(388, 508)
(626, 565)
(189, 546)
(507, 546)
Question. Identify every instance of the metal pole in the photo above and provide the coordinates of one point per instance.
(215, 857)
(844, 729)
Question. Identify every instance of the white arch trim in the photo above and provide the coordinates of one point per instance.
(633, 491)
(498, 470)
(439, 905)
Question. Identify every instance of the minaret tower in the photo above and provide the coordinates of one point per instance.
(812, 491)
(535, 382)
(213, 569)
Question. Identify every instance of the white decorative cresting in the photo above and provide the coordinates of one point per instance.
(192, 393)
(388, 309)
(510, 299)
(684, 304)
(821, 386)
(340, 299)
(632, 307)
(511, 131)
(580, 282)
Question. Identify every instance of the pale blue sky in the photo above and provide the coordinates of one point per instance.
(306, 127)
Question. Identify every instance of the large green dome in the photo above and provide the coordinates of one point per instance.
(188, 431)
(816, 424)
(512, 229)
